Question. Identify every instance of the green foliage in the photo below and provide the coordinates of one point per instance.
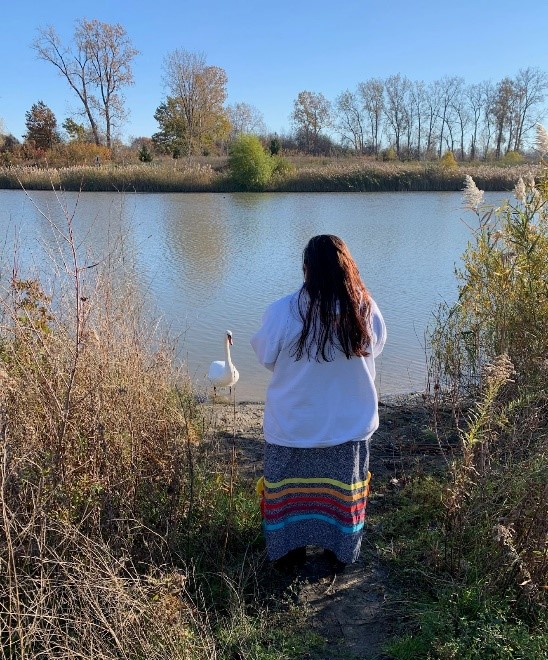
(275, 146)
(41, 126)
(75, 131)
(144, 155)
(173, 128)
(250, 165)
(282, 166)
(512, 158)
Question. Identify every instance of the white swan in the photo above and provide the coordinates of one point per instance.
(222, 373)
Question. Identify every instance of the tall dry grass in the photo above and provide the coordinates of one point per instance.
(98, 434)
(489, 357)
(143, 177)
(297, 175)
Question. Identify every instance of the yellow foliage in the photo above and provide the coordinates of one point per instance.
(78, 153)
(448, 161)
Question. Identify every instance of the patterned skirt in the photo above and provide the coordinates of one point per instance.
(315, 497)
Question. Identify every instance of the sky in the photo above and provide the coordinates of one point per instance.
(273, 50)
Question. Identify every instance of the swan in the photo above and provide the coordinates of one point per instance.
(222, 373)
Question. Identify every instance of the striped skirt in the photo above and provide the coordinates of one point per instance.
(315, 497)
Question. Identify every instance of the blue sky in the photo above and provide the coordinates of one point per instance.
(273, 50)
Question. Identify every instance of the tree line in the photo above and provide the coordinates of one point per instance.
(393, 116)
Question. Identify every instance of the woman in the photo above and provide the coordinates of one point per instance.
(321, 408)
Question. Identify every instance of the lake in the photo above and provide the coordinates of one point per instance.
(212, 262)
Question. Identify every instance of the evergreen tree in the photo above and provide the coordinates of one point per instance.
(41, 126)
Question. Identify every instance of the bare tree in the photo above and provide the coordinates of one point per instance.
(372, 96)
(396, 109)
(502, 112)
(474, 100)
(449, 88)
(245, 118)
(461, 113)
(489, 94)
(530, 90)
(311, 114)
(97, 66)
(350, 120)
(200, 92)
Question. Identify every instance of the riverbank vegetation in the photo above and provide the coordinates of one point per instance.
(277, 174)
(470, 544)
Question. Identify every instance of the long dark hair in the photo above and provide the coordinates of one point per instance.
(333, 303)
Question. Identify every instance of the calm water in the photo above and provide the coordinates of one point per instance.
(212, 262)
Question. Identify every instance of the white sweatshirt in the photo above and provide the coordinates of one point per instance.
(310, 403)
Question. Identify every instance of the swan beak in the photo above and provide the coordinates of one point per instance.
(230, 341)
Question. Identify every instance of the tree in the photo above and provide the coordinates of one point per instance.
(530, 90)
(311, 114)
(449, 88)
(250, 165)
(372, 97)
(397, 90)
(245, 118)
(351, 121)
(196, 100)
(97, 66)
(75, 131)
(419, 102)
(41, 126)
(474, 100)
(501, 111)
(172, 136)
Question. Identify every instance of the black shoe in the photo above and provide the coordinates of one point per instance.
(292, 560)
(335, 564)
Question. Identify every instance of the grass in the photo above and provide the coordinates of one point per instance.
(321, 175)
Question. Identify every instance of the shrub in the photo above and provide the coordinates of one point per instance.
(251, 167)
(448, 161)
(282, 166)
(275, 146)
(389, 154)
(503, 301)
(512, 158)
(144, 154)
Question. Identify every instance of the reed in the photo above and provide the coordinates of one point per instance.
(322, 175)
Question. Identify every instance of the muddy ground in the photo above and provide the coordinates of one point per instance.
(357, 610)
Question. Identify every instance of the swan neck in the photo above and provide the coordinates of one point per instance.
(227, 352)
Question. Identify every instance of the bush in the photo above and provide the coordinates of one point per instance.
(144, 154)
(389, 154)
(448, 161)
(512, 158)
(282, 166)
(251, 167)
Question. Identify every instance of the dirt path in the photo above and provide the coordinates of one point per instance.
(356, 611)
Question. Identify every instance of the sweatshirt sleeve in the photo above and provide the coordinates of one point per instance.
(268, 340)
(379, 329)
